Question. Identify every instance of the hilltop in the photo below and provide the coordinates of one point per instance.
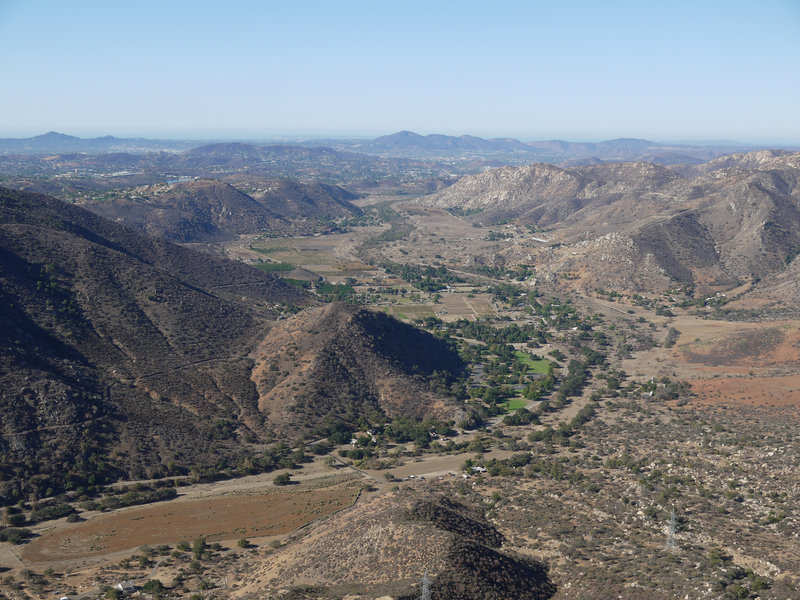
(294, 200)
(206, 210)
(339, 360)
(386, 545)
(196, 211)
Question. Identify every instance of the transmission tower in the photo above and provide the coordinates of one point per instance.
(672, 542)
(426, 587)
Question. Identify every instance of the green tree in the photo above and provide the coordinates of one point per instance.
(154, 586)
(199, 547)
(282, 479)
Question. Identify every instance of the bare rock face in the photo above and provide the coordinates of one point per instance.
(343, 361)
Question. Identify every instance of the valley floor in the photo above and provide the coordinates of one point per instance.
(594, 501)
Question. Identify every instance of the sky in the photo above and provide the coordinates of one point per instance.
(567, 69)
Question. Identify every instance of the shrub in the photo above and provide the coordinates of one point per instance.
(15, 536)
(282, 479)
(138, 497)
(17, 520)
(52, 512)
(154, 586)
(199, 547)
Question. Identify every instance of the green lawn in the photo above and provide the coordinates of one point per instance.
(535, 366)
(513, 404)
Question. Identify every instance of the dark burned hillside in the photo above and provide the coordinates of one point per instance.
(110, 338)
(477, 567)
(340, 361)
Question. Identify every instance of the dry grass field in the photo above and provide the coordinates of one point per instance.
(271, 512)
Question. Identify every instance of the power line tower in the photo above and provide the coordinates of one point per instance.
(426, 587)
(672, 541)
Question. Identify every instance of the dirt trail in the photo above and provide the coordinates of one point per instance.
(438, 465)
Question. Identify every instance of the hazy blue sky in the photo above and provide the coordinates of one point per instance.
(594, 69)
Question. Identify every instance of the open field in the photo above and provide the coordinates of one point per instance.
(269, 513)
(328, 255)
(779, 391)
(411, 311)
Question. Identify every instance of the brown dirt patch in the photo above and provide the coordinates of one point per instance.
(760, 344)
(273, 512)
(750, 391)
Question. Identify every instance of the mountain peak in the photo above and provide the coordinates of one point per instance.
(55, 136)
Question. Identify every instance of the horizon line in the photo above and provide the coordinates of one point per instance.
(286, 137)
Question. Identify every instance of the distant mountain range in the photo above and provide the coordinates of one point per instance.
(511, 151)
(53, 142)
(404, 144)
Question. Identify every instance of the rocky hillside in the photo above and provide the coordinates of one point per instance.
(341, 360)
(206, 210)
(642, 226)
(385, 546)
(119, 351)
(759, 160)
(547, 195)
(126, 356)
